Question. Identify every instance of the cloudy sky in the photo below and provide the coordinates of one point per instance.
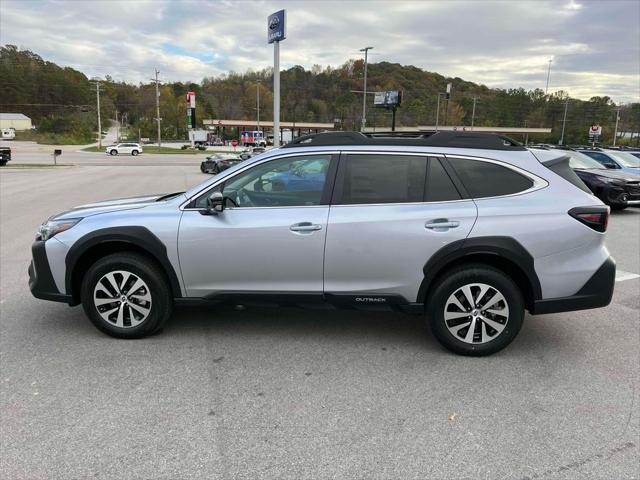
(595, 45)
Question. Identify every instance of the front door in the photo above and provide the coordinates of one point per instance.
(390, 214)
(269, 238)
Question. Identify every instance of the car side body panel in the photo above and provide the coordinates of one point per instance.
(382, 248)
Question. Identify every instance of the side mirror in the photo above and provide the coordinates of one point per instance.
(215, 203)
(611, 165)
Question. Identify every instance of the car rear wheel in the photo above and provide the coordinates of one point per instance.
(113, 152)
(134, 152)
(475, 310)
(126, 295)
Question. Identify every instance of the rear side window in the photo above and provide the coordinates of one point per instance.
(485, 179)
(383, 179)
(440, 188)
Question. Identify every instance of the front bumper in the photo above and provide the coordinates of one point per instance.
(596, 293)
(41, 281)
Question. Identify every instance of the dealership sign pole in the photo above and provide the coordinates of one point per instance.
(275, 33)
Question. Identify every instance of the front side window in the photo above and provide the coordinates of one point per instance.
(286, 182)
(486, 179)
(372, 179)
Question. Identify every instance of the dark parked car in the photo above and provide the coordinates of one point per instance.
(218, 162)
(616, 188)
(5, 155)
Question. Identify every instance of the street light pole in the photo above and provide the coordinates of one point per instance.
(473, 114)
(438, 112)
(258, 102)
(564, 121)
(364, 97)
(157, 106)
(546, 89)
(615, 133)
(98, 107)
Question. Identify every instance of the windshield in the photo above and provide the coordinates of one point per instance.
(580, 160)
(625, 159)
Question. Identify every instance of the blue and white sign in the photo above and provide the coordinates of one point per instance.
(276, 26)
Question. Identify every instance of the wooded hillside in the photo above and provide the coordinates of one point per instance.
(61, 101)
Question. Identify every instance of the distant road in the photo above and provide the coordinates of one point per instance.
(31, 152)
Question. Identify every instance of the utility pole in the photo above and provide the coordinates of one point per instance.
(258, 102)
(447, 96)
(438, 112)
(117, 127)
(364, 97)
(564, 121)
(158, 119)
(98, 108)
(615, 132)
(473, 114)
(546, 89)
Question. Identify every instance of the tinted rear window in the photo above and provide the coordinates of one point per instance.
(383, 179)
(484, 179)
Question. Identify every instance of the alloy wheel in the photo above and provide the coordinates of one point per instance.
(476, 313)
(122, 298)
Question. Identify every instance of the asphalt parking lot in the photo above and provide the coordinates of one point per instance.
(288, 393)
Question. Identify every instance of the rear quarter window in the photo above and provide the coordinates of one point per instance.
(485, 179)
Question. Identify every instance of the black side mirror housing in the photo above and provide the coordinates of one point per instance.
(215, 203)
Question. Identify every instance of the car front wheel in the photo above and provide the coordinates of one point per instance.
(475, 310)
(113, 152)
(134, 152)
(126, 295)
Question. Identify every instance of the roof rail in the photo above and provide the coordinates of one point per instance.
(490, 141)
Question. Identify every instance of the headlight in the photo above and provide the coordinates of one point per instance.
(612, 181)
(51, 228)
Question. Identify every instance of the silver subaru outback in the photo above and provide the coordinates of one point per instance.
(468, 229)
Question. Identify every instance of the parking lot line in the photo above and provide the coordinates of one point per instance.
(621, 276)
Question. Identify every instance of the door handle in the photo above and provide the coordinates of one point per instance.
(305, 227)
(441, 224)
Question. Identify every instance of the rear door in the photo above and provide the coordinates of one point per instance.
(390, 213)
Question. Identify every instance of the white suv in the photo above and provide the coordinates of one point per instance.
(124, 148)
(470, 229)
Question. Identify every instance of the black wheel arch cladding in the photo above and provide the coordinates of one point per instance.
(500, 248)
(139, 238)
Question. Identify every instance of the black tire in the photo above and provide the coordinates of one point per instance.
(134, 153)
(202, 169)
(146, 270)
(465, 275)
(113, 152)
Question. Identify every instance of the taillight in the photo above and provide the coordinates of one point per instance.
(596, 217)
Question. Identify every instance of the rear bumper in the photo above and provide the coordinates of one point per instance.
(596, 293)
(41, 281)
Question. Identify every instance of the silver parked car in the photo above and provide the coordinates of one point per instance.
(124, 149)
(470, 229)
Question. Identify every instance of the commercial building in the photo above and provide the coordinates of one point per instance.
(17, 121)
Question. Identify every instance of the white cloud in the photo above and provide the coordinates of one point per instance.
(502, 44)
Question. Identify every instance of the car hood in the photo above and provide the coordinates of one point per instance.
(95, 208)
(628, 177)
